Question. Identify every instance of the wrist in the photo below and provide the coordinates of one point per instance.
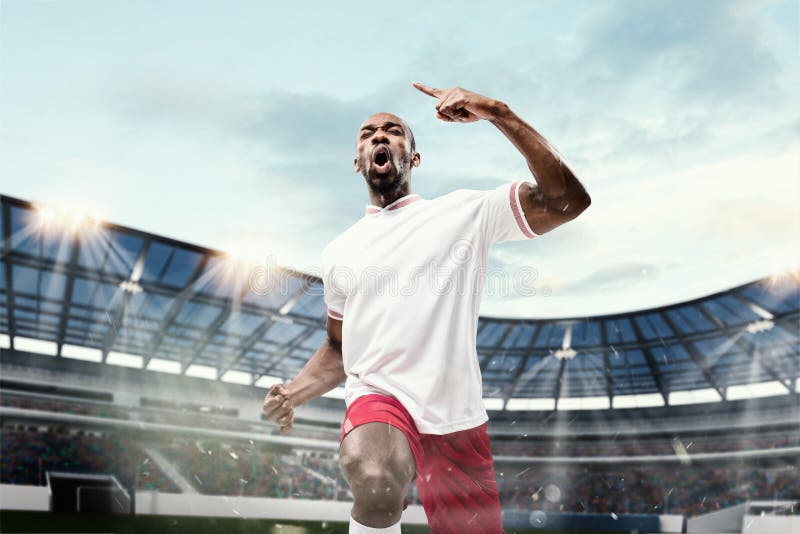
(309, 388)
(295, 393)
(499, 111)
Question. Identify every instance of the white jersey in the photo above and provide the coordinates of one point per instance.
(406, 281)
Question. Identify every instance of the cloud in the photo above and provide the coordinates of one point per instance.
(633, 94)
(714, 50)
(621, 275)
(657, 84)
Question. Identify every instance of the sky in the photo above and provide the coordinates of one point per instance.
(232, 125)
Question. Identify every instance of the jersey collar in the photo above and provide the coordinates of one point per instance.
(397, 204)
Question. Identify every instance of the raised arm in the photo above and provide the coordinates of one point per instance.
(558, 196)
(323, 372)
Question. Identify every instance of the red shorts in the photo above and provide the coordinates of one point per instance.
(455, 473)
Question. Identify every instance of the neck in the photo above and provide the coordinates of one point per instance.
(384, 199)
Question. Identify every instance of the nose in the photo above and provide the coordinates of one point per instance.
(378, 137)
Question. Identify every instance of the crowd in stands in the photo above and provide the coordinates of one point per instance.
(660, 488)
(78, 407)
(27, 452)
(619, 446)
(311, 432)
(327, 464)
(217, 467)
(181, 417)
(188, 418)
(522, 446)
(173, 416)
(229, 467)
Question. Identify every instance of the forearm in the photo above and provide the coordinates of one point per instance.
(550, 172)
(323, 372)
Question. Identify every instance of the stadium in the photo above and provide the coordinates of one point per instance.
(217, 219)
(134, 367)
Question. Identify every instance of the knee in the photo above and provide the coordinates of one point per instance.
(380, 492)
(374, 484)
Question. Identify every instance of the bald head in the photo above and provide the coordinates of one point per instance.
(383, 118)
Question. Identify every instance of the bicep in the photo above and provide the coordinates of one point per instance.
(547, 213)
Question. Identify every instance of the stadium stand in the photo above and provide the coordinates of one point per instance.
(134, 354)
(28, 452)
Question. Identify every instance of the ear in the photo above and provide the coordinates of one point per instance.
(356, 167)
(416, 159)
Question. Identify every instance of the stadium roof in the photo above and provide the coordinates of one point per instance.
(74, 287)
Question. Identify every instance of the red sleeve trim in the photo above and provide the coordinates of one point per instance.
(516, 208)
(335, 315)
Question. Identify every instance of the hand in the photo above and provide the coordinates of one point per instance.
(460, 105)
(278, 407)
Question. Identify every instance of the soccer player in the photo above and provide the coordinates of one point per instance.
(403, 286)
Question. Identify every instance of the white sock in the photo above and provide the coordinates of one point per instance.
(358, 528)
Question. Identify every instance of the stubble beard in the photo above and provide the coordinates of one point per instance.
(383, 187)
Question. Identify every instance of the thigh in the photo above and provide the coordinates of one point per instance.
(377, 446)
(457, 485)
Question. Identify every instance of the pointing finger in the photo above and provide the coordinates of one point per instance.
(430, 91)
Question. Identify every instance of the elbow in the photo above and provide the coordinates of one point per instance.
(335, 344)
(580, 202)
(585, 201)
(579, 199)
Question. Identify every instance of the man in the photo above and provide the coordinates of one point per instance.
(413, 383)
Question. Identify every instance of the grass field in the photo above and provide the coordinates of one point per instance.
(46, 522)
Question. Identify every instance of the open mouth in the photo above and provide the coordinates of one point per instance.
(380, 159)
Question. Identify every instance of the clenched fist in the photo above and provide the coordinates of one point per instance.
(278, 407)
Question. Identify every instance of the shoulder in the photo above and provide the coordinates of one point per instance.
(460, 196)
(341, 241)
(473, 199)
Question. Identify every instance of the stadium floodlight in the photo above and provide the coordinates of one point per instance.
(785, 267)
(567, 341)
(234, 264)
(287, 307)
(130, 286)
(49, 218)
(565, 354)
(241, 256)
(5, 341)
(761, 312)
(760, 326)
(45, 216)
